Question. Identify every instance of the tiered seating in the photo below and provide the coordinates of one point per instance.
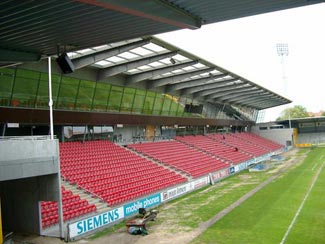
(72, 207)
(180, 156)
(226, 152)
(243, 145)
(256, 139)
(111, 172)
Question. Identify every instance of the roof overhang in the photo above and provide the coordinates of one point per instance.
(153, 64)
(30, 30)
(160, 66)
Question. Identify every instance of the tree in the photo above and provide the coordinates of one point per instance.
(297, 111)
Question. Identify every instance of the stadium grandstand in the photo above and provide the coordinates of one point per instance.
(99, 118)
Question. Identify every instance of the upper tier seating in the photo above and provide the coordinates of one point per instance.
(251, 147)
(256, 139)
(175, 154)
(111, 172)
(215, 147)
(72, 207)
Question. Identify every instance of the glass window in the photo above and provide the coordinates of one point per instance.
(180, 110)
(101, 96)
(139, 101)
(158, 104)
(173, 108)
(166, 106)
(25, 88)
(6, 83)
(68, 92)
(149, 102)
(85, 95)
(115, 98)
(127, 101)
(42, 98)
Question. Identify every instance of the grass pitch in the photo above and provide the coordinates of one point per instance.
(263, 218)
(266, 216)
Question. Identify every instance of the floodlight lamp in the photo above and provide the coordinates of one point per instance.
(282, 49)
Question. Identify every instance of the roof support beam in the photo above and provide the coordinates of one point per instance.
(6, 65)
(153, 73)
(217, 84)
(257, 104)
(10, 56)
(98, 56)
(174, 78)
(194, 83)
(159, 11)
(225, 92)
(250, 99)
(240, 96)
(261, 99)
(264, 103)
(217, 89)
(228, 98)
(117, 69)
(258, 101)
(254, 105)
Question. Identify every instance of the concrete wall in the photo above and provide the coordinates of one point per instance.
(27, 157)
(29, 173)
(282, 136)
(312, 138)
(130, 134)
(19, 200)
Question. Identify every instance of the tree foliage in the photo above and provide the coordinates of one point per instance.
(295, 112)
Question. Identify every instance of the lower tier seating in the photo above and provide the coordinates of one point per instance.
(72, 207)
(113, 173)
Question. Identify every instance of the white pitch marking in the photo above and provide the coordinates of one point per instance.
(301, 206)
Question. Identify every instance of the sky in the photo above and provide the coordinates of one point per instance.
(247, 47)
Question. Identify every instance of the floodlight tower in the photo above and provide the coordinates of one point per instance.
(283, 52)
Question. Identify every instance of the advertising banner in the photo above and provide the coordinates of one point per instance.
(200, 182)
(148, 202)
(92, 223)
(240, 167)
(180, 190)
(220, 174)
(249, 162)
(175, 192)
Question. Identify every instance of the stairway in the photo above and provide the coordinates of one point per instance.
(100, 205)
(159, 163)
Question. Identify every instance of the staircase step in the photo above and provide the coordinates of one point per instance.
(160, 163)
(101, 206)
